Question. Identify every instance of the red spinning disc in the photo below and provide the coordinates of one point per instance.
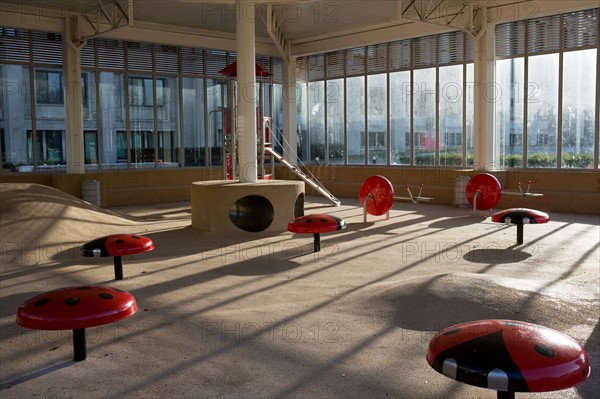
(381, 190)
(489, 189)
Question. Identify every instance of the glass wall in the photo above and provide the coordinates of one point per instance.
(545, 105)
(143, 105)
(335, 121)
(542, 113)
(424, 117)
(302, 101)
(548, 78)
(194, 141)
(218, 120)
(579, 85)
(17, 149)
(400, 128)
(451, 115)
(355, 125)
(394, 112)
(469, 100)
(377, 118)
(316, 122)
(407, 102)
(510, 79)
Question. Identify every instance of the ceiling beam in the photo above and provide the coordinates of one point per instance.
(103, 18)
(275, 32)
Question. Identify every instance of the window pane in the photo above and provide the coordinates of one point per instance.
(470, 112)
(214, 107)
(579, 96)
(90, 145)
(355, 113)
(141, 121)
(17, 147)
(316, 120)
(542, 114)
(112, 116)
(50, 144)
(90, 122)
(167, 110)
(377, 119)
(278, 118)
(335, 120)
(424, 103)
(301, 120)
(48, 87)
(509, 111)
(451, 115)
(193, 122)
(400, 89)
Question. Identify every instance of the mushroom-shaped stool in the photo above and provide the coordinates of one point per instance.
(483, 191)
(316, 224)
(117, 245)
(376, 196)
(520, 217)
(76, 308)
(508, 356)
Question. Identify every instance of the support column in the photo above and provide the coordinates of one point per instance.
(486, 93)
(246, 75)
(73, 98)
(290, 131)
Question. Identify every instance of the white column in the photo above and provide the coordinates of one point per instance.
(246, 76)
(290, 139)
(73, 98)
(486, 94)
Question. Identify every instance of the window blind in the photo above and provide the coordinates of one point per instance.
(265, 62)
(166, 58)
(510, 39)
(355, 61)
(580, 29)
(424, 51)
(47, 48)
(399, 54)
(87, 55)
(139, 56)
(316, 67)
(301, 69)
(215, 61)
(543, 34)
(110, 54)
(192, 61)
(469, 48)
(335, 64)
(377, 58)
(553, 33)
(277, 70)
(451, 48)
(15, 45)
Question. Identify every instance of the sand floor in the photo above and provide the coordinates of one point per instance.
(258, 316)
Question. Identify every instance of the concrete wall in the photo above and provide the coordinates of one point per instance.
(564, 191)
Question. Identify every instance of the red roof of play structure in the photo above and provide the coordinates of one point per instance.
(231, 70)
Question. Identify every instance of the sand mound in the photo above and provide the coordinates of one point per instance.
(34, 214)
(430, 303)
